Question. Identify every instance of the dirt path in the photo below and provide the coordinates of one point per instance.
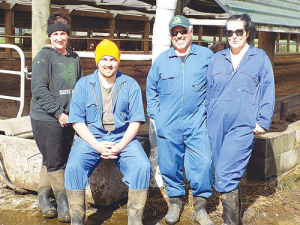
(276, 201)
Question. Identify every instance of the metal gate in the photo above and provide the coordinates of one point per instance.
(21, 73)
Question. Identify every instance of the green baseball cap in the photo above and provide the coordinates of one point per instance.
(179, 20)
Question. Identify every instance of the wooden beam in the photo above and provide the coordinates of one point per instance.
(9, 17)
(288, 42)
(64, 11)
(88, 41)
(4, 5)
(220, 38)
(19, 7)
(179, 7)
(266, 41)
(118, 43)
(277, 41)
(130, 17)
(146, 34)
(297, 42)
(91, 14)
(112, 23)
(200, 34)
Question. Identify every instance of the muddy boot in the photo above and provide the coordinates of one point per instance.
(173, 214)
(76, 200)
(57, 180)
(232, 208)
(45, 205)
(200, 214)
(135, 206)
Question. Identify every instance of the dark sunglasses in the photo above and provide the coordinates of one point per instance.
(174, 33)
(238, 32)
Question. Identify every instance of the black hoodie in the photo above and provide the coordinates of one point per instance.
(54, 76)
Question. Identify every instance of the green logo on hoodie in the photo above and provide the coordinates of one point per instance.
(68, 73)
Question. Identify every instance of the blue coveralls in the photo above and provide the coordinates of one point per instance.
(176, 103)
(236, 101)
(127, 108)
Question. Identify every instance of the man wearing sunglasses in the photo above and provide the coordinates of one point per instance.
(176, 87)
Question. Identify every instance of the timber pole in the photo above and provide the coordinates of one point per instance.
(266, 41)
(40, 15)
(8, 31)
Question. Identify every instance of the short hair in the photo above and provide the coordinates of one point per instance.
(58, 17)
(248, 25)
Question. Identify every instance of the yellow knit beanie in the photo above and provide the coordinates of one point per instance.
(106, 47)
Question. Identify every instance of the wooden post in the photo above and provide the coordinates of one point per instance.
(214, 41)
(220, 38)
(20, 39)
(266, 41)
(8, 31)
(112, 23)
(146, 36)
(288, 42)
(297, 42)
(118, 43)
(277, 41)
(200, 34)
(40, 15)
(88, 42)
(179, 7)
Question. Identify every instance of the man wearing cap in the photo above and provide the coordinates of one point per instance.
(106, 112)
(176, 87)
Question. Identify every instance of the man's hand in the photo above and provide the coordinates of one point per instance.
(107, 150)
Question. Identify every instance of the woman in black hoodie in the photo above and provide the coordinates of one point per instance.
(55, 71)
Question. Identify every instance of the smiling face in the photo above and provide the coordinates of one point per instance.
(181, 42)
(108, 67)
(59, 40)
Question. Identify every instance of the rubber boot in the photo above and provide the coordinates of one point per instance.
(173, 214)
(200, 214)
(57, 180)
(135, 206)
(45, 205)
(76, 200)
(232, 207)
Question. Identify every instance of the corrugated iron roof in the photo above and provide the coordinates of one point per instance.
(268, 15)
(276, 14)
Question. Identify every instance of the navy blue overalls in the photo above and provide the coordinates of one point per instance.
(236, 101)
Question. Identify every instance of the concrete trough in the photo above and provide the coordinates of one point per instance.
(22, 160)
(275, 153)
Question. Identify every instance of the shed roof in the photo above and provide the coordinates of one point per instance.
(269, 15)
(275, 15)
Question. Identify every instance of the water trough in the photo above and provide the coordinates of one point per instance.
(21, 161)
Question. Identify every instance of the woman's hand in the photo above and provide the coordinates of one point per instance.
(259, 130)
(63, 120)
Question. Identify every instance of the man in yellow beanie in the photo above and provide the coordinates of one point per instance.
(106, 112)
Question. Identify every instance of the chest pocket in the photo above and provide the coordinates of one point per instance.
(92, 114)
(248, 83)
(165, 83)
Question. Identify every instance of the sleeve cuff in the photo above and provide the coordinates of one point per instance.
(58, 112)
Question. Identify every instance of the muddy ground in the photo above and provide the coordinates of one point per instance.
(275, 201)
